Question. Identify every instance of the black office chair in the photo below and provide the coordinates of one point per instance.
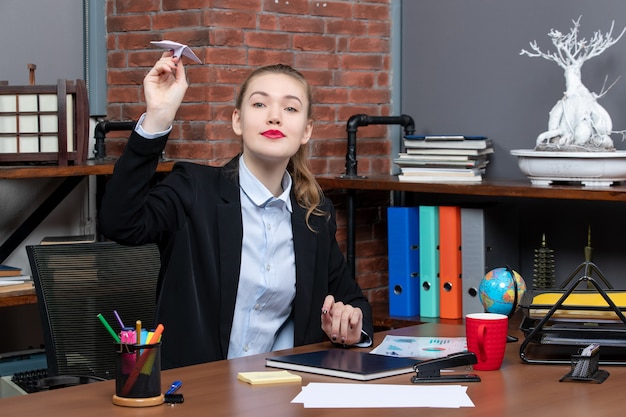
(76, 282)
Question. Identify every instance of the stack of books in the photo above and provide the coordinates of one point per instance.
(444, 158)
(13, 279)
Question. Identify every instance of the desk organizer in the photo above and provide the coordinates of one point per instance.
(585, 368)
(557, 323)
(44, 123)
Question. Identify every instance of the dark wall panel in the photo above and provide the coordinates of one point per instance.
(462, 71)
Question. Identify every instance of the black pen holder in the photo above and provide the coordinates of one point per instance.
(585, 368)
(138, 375)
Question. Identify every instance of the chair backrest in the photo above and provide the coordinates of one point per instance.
(76, 282)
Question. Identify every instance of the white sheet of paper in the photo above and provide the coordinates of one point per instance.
(349, 395)
(178, 48)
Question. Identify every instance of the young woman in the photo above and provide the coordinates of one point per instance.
(249, 258)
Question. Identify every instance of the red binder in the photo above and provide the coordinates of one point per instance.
(451, 287)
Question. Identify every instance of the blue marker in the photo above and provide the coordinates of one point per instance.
(174, 387)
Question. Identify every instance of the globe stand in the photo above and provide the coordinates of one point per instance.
(514, 304)
(509, 338)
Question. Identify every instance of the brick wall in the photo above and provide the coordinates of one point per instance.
(342, 47)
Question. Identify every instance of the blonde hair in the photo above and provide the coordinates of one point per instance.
(307, 191)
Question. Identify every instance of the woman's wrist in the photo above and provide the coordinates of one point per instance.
(156, 121)
(150, 134)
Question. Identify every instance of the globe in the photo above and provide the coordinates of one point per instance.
(497, 290)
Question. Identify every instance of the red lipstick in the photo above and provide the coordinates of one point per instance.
(273, 134)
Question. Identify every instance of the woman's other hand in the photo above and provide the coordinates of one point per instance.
(341, 322)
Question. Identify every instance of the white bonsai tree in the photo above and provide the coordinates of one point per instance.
(577, 122)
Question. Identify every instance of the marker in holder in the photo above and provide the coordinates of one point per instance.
(138, 375)
(585, 366)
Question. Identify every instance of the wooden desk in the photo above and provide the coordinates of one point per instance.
(213, 389)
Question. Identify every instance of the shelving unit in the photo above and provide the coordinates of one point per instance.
(511, 192)
(73, 176)
(486, 189)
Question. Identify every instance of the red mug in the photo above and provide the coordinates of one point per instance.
(486, 335)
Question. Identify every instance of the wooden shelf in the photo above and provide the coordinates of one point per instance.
(47, 171)
(19, 297)
(488, 188)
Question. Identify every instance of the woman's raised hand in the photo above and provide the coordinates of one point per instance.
(164, 88)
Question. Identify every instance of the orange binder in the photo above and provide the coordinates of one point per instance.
(451, 287)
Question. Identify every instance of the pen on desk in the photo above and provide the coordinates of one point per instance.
(108, 327)
(119, 320)
(174, 387)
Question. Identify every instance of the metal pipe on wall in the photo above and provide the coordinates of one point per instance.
(354, 122)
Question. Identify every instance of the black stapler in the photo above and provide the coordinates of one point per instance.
(430, 371)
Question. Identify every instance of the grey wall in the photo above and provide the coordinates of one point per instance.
(47, 33)
(462, 71)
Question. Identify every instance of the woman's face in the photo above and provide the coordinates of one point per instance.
(273, 119)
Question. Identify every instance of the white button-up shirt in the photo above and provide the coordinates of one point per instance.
(267, 279)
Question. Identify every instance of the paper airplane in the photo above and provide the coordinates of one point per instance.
(178, 48)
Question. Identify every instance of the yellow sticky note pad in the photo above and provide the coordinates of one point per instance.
(268, 377)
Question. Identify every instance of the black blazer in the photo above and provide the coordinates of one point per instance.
(194, 215)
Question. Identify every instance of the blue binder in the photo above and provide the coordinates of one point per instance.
(429, 260)
(403, 256)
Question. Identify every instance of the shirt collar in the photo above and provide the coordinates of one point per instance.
(257, 192)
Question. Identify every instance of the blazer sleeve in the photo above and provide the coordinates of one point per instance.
(134, 212)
